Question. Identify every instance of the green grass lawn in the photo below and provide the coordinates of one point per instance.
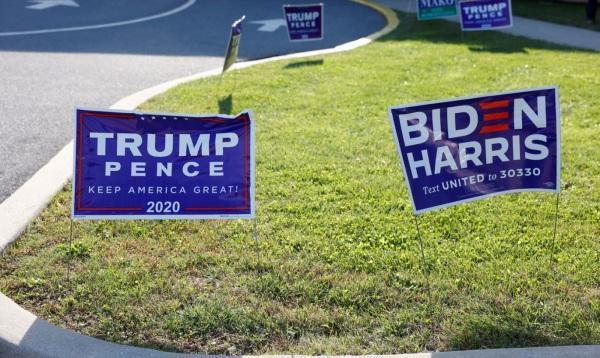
(566, 13)
(339, 268)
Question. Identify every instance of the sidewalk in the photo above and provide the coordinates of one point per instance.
(533, 29)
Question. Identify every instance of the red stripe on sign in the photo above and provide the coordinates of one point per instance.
(215, 209)
(112, 209)
(494, 128)
(495, 116)
(246, 122)
(79, 171)
(494, 104)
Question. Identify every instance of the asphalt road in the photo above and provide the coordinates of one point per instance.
(46, 75)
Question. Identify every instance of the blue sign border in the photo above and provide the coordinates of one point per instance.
(480, 197)
(252, 170)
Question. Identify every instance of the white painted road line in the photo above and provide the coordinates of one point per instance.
(270, 25)
(47, 4)
(102, 26)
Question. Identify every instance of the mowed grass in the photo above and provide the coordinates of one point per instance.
(338, 269)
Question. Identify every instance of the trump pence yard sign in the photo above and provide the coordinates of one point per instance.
(132, 165)
(464, 149)
(485, 14)
(304, 22)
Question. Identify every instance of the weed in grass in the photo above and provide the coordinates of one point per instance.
(76, 250)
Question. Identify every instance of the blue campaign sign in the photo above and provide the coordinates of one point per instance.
(304, 22)
(465, 149)
(131, 165)
(435, 9)
(233, 45)
(485, 14)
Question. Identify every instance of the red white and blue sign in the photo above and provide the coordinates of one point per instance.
(460, 150)
(131, 165)
(304, 22)
(485, 14)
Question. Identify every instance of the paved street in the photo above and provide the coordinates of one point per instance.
(51, 60)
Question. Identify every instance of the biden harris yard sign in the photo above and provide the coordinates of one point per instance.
(485, 14)
(465, 149)
(132, 165)
(304, 22)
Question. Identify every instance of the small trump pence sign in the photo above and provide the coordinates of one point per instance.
(304, 22)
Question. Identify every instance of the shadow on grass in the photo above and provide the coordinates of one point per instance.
(446, 32)
(226, 104)
(475, 333)
(494, 49)
(300, 64)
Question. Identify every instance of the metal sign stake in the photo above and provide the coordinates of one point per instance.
(255, 234)
(552, 265)
(426, 274)
(69, 251)
(423, 261)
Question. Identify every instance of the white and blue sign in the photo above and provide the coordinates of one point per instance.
(465, 149)
(435, 9)
(304, 22)
(485, 14)
(131, 165)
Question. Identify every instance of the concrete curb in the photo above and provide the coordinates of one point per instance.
(25, 204)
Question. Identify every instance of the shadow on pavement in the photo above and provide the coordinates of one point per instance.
(318, 62)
